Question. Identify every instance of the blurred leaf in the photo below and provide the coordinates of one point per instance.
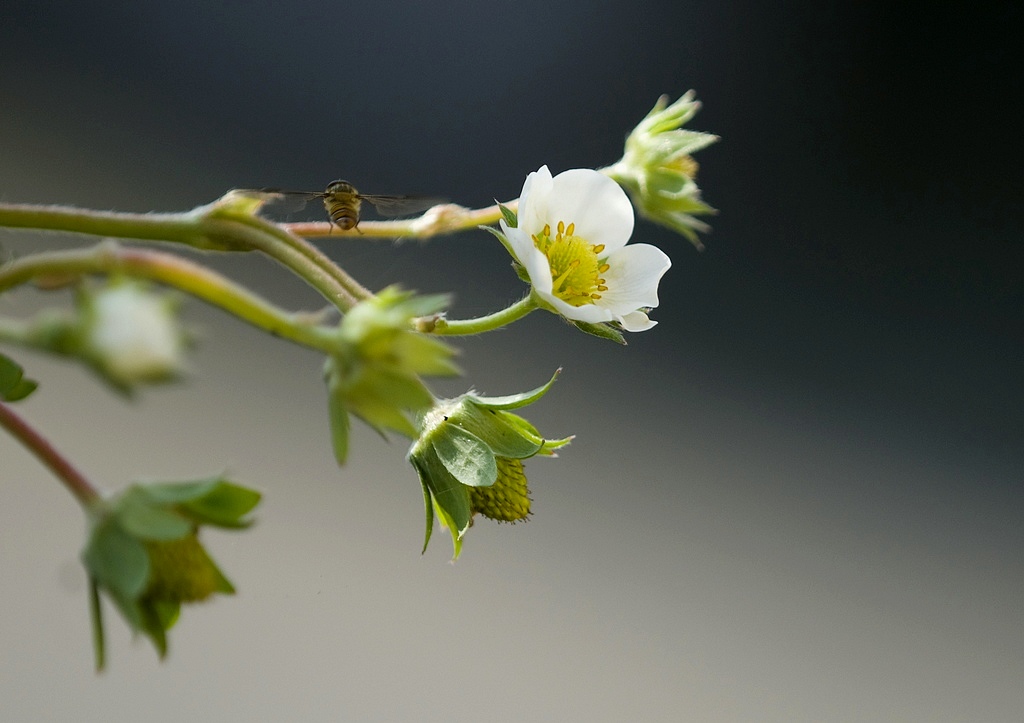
(224, 505)
(213, 501)
(117, 561)
(13, 386)
(140, 517)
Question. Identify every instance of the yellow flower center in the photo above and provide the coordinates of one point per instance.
(576, 266)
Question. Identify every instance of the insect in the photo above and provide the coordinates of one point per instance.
(343, 202)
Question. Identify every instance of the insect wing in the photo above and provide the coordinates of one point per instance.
(400, 205)
(288, 201)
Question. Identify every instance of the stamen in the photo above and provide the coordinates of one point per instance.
(575, 268)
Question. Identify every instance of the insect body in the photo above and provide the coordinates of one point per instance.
(343, 202)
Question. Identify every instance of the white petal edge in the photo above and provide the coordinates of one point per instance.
(636, 321)
(521, 242)
(633, 276)
(596, 204)
(590, 313)
(533, 201)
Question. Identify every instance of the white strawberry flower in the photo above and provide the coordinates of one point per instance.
(571, 238)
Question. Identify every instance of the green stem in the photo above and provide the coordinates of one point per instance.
(443, 219)
(465, 327)
(212, 227)
(74, 480)
(178, 227)
(174, 271)
(288, 256)
(320, 260)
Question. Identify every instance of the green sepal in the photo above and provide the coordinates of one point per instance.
(503, 239)
(499, 431)
(142, 518)
(601, 330)
(212, 501)
(13, 385)
(514, 401)
(378, 398)
(450, 498)
(157, 617)
(143, 551)
(469, 460)
(510, 216)
(521, 271)
(118, 562)
(99, 639)
(425, 305)
(428, 505)
(340, 425)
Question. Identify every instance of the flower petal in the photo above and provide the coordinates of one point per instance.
(539, 269)
(632, 278)
(596, 204)
(636, 321)
(590, 313)
(520, 241)
(533, 204)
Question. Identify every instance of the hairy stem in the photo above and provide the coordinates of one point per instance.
(174, 271)
(465, 327)
(443, 219)
(208, 228)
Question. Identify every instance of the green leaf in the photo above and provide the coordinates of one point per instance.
(469, 460)
(22, 390)
(13, 386)
(117, 561)
(602, 331)
(514, 401)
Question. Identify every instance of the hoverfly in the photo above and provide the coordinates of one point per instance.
(343, 202)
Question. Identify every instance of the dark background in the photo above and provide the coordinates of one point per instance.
(797, 498)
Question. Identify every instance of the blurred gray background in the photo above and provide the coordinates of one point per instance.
(797, 498)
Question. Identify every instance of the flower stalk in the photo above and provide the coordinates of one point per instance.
(170, 270)
(75, 482)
